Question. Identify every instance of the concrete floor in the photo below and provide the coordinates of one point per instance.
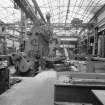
(37, 90)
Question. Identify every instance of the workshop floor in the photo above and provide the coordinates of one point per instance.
(37, 90)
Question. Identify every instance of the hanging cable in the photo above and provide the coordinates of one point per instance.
(45, 8)
(59, 11)
(74, 9)
(67, 11)
(50, 8)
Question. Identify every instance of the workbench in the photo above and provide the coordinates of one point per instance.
(78, 92)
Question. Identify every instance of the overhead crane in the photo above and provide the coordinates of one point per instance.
(28, 9)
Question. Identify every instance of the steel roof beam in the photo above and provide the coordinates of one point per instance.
(27, 8)
(97, 13)
(38, 9)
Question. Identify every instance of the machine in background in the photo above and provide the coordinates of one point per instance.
(4, 73)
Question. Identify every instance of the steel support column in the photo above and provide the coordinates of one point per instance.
(103, 44)
(96, 41)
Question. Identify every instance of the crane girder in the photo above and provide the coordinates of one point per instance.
(27, 8)
(38, 9)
